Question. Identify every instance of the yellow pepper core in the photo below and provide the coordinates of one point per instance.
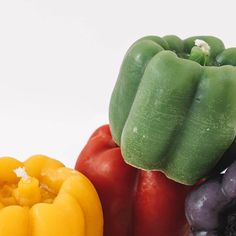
(41, 197)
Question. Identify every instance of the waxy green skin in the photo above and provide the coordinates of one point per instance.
(168, 112)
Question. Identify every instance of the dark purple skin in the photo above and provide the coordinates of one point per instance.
(211, 208)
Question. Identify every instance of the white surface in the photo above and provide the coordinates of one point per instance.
(59, 61)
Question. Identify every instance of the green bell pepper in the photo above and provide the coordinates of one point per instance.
(173, 107)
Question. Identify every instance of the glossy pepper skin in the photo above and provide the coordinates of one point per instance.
(135, 202)
(211, 207)
(173, 107)
(51, 200)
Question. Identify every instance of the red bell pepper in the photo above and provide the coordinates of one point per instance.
(135, 202)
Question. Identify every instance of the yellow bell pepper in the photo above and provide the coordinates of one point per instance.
(41, 197)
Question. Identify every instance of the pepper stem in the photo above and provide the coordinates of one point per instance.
(200, 52)
(21, 173)
(28, 191)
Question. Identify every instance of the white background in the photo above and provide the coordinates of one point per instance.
(59, 61)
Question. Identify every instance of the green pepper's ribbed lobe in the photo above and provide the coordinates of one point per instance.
(209, 126)
(227, 57)
(175, 44)
(159, 110)
(128, 81)
(172, 114)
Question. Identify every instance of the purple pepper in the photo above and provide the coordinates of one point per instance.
(211, 208)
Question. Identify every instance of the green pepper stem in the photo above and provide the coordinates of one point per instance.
(200, 52)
